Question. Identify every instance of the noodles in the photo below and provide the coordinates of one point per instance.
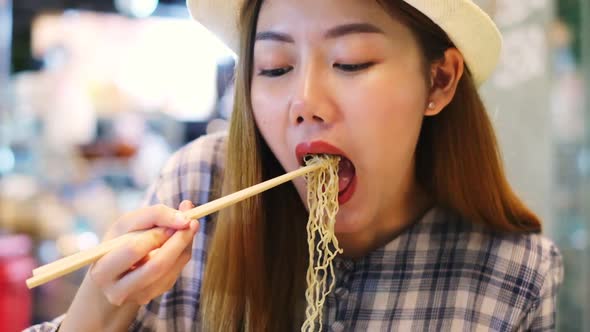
(322, 198)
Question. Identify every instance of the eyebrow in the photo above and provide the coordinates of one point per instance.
(352, 28)
(335, 32)
(275, 36)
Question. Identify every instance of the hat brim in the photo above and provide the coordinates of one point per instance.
(468, 26)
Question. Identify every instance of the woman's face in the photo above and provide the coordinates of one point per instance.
(342, 77)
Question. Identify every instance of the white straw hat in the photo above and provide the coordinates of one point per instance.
(469, 27)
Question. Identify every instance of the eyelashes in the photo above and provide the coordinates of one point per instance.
(344, 67)
(275, 72)
(351, 68)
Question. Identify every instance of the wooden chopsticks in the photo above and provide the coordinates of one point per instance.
(61, 267)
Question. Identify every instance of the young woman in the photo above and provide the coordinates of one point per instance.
(433, 236)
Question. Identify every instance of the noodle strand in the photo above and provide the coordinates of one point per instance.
(322, 199)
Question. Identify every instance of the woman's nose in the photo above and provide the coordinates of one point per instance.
(311, 102)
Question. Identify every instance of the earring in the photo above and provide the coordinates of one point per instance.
(431, 105)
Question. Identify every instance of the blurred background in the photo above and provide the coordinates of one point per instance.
(96, 94)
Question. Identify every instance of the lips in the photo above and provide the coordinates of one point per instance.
(346, 169)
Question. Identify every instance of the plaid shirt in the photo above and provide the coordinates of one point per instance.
(441, 274)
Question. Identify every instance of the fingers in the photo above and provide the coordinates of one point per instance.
(164, 284)
(156, 269)
(112, 265)
(150, 263)
(149, 217)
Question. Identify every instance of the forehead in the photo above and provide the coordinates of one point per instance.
(320, 14)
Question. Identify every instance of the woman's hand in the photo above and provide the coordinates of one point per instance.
(135, 273)
(149, 265)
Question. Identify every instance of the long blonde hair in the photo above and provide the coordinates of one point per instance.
(254, 275)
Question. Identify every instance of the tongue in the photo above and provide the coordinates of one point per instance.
(345, 174)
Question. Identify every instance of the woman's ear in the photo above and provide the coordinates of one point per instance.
(445, 75)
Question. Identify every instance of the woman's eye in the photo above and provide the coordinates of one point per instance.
(275, 72)
(353, 67)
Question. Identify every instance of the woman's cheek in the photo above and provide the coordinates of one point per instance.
(266, 117)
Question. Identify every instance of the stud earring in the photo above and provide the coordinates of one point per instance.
(431, 105)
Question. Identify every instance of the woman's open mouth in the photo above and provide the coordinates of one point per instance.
(346, 180)
(346, 169)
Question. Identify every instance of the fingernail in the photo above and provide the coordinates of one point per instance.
(180, 219)
(169, 231)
